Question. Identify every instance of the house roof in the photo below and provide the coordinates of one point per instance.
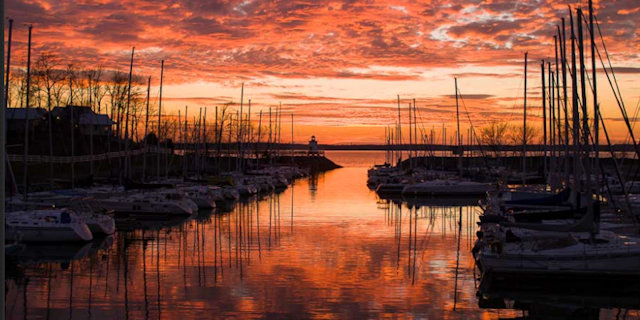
(95, 119)
(22, 113)
(62, 111)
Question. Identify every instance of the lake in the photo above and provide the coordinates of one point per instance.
(327, 247)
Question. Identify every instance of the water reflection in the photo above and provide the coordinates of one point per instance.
(325, 248)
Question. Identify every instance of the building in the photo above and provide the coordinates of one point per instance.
(87, 121)
(313, 147)
(96, 124)
(16, 121)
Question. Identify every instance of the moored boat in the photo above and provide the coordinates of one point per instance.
(48, 225)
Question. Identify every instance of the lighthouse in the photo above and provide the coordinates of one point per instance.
(313, 146)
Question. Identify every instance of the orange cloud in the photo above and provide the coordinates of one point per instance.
(347, 51)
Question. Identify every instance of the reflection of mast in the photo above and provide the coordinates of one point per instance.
(240, 240)
(25, 166)
(399, 228)
(24, 298)
(279, 222)
(215, 249)
(415, 243)
(524, 126)
(410, 242)
(90, 286)
(458, 137)
(184, 258)
(455, 288)
(49, 290)
(270, 215)
(144, 275)
(158, 269)
(125, 276)
(258, 227)
(229, 239)
(70, 292)
(196, 245)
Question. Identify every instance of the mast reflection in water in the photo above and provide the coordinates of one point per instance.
(325, 248)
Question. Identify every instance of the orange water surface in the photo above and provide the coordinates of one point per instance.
(326, 248)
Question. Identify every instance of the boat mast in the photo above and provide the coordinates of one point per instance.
(26, 119)
(127, 163)
(279, 118)
(249, 131)
(566, 101)
(3, 137)
(292, 147)
(596, 107)
(205, 147)
(216, 140)
(544, 121)
(178, 132)
(399, 135)
(575, 107)
(410, 138)
(552, 121)
(269, 146)
(240, 129)
(6, 81)
(91, 126)
(558, 123)
(184, 144)
(524, 126)
(415, 132)
(386, 142)
(146, 127)
(196, 143)
(159, 122)
(585, 115)
(583, 95)
(258, 139)
(73, 132)
(459, 143)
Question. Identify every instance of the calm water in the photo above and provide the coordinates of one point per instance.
(326, 248)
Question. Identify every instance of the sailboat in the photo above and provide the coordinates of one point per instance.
(454, 186)
(48, 225)
(575, 246)
(573, 252)
(202, 196)
(449, 187)
(151, 203)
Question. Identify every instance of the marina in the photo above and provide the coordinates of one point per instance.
(303, 160)
(297, 246)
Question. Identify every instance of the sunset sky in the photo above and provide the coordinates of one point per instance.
(337, 65)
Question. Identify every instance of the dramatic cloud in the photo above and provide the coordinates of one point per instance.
(335, 63)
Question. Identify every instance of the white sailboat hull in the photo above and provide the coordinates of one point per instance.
(447, 188)
(605, 262)
(203, 202)
(150, 208)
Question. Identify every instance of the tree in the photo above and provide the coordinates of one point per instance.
(494, 136)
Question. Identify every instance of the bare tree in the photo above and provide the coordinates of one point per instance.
(117, 90)
(494, 136)
(48, 76)
(516, 135)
